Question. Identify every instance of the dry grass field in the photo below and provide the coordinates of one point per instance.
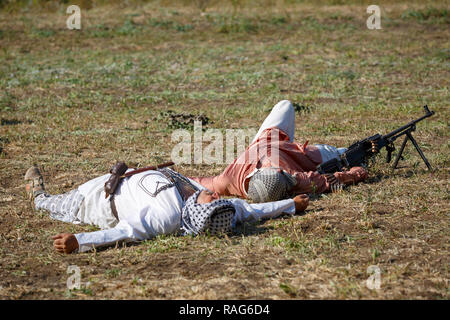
(75, 101)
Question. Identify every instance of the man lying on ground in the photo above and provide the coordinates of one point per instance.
(274, 167)
(145, 205)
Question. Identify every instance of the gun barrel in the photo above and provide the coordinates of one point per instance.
(428, 113)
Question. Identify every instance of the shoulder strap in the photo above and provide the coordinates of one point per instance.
(158, 166)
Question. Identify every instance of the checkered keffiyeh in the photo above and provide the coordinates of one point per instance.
(215, 217)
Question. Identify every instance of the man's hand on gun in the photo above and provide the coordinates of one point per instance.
(335, 184)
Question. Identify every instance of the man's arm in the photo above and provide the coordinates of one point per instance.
(314, 182)
(258, 211)
(68, 243)
(219, 184)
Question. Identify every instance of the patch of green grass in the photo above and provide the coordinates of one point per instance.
(236, 25)
(347, 290)
(278, 20)
(164, 243)
(170, 25)
(7, 102)
(291, 245)
(101, 31)
(128, 28)
(375, 254)
(288, 289)
(20, 273)
(430, 14)
(313, 24)
(74, 292)
(43, 33)
(112, 273)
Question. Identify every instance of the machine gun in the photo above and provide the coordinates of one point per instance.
(360, 152)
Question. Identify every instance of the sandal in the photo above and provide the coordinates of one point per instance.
(35, 182)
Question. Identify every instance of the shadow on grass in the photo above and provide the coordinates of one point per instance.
(257, 228)
(250, 229)
(400, 171)
(12, 122)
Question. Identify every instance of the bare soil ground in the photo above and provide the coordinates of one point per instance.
(76, 101)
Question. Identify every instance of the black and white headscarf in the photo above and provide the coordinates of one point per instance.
(215, 217)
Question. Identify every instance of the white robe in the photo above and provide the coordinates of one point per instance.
(143, 216)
